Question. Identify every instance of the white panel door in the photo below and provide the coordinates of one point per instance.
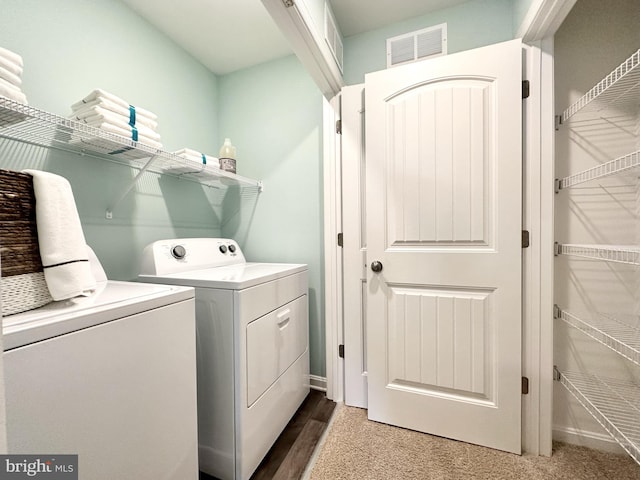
(444, 216)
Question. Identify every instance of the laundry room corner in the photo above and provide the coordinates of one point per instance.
(273, 114)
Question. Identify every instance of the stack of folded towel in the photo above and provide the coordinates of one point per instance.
(11, 76)
(108, 112)
(198, 157)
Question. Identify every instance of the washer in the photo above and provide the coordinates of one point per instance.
(253, 357)
(110, 377)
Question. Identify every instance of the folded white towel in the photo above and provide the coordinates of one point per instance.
(10, 66)
(88, 109)
(63, 248)
(100, 116)
(12, 78)
(196, 156)
(127, 133)
(99, 93)
(11, 56)
(210, 162)
(12, 92)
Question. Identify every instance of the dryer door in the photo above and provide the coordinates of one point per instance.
(274, 342)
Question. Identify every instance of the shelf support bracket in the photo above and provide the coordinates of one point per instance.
(556, 374)
(557, 313)
(557, 185)
(109, 212)
(557, 248)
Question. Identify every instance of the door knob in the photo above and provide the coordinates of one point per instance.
(376, 266)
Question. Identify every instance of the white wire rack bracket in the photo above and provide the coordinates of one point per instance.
(608, 329)
(127, 189)
(627, 254)
(619, 165)
(612, 403)
(618, 85)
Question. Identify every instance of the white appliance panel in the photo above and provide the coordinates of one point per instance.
(274, 343)
(112, 299)
(252, 346)
(121, 395)
(231, 277)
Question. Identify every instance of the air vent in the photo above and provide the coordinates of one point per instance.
(332, 36)
(418, 45)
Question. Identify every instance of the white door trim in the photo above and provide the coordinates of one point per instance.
(537, 355)
(543, 19)
(332, 253)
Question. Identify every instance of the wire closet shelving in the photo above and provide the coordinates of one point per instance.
(614, 403)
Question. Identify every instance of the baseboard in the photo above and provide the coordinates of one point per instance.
(318, 383)
(584, 438)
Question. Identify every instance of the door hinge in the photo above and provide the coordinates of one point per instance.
(525, 89)
(339, 127)
(557, 121)
(340, 240)
(341, 351)
(288, 3)
(525, 386)
(525, 239)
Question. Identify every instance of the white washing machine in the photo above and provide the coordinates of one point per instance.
(252, 346)
(110, 377)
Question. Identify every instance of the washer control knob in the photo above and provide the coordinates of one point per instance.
(232, 248)
(178, 251)
(223, 249)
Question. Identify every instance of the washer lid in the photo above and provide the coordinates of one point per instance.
(230, 277)
(112, 300)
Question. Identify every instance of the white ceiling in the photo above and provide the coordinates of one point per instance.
(228, 35)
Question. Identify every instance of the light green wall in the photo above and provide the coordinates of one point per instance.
(71, 47)
(273, 115)
(469, 25)
(520, 9)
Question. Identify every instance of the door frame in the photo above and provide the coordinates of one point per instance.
(537, 29)
(538, 191)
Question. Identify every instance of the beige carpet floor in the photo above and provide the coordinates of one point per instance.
(356, 448)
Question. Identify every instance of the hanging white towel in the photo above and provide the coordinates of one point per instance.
(99, 93)
(11, 56)
(89, 109)
(12, 92)
(63, 248)
(10, 66)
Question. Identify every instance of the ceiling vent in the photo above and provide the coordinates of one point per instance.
(332, 36)
(418, 45)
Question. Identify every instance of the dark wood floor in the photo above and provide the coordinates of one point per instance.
(293, 449)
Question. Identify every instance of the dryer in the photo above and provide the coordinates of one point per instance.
(252, 346)
(110, 378)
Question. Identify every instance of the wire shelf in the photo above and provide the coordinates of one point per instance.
(620, 87)
(33, 126)
(615, 404)
(614, 167)
(629, 254)
(610, 330)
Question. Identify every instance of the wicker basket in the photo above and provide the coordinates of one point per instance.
(23, 285)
